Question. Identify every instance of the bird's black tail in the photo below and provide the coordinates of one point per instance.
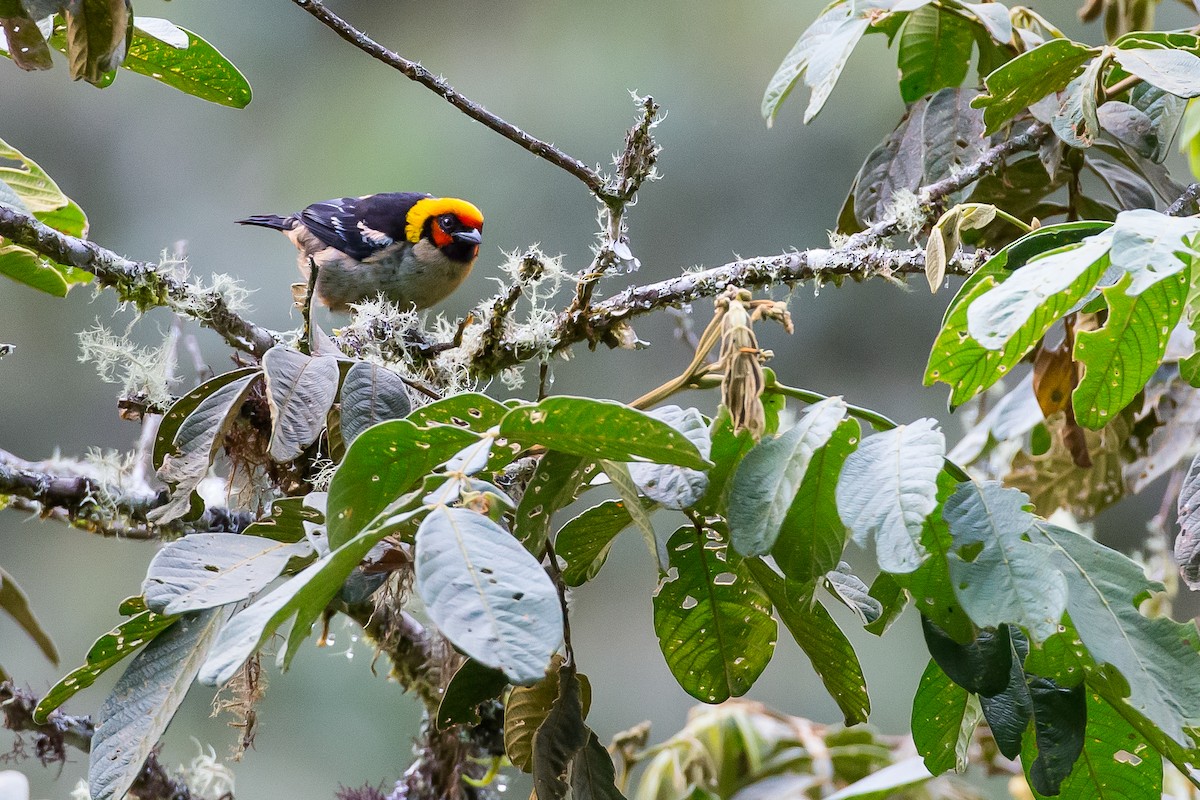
(269, 221)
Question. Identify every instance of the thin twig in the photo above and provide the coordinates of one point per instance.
(590, 177)
(1186, 201)
(140, 282)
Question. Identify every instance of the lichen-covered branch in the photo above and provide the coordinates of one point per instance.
(143, 283)
(64, 490)
(60, 731)
(591, 177)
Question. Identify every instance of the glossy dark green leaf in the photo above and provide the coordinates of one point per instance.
(892, 601)
(206, 570)
(300, 391)
(1059, 722)
(600, 429)
(583, 542)
(832, 656)
(470, 410)
(934, 51)
(557, 481)
(487, 594)
(472, 684)
(107, 651)
(370, 395)
(141, 705)
(197, 68)
(944, 718)
(713, 621)
(999, 576)
(286, 521)
(383, 463)
(768, 479)
(982, 666)
(812, 536)
(1008, 713)
(887, 489)
(15, 604)
(1028, 78)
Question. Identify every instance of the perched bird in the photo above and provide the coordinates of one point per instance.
(414, 248)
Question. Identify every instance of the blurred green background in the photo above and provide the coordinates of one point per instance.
(152, 167)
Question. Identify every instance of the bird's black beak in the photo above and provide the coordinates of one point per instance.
(470, 235)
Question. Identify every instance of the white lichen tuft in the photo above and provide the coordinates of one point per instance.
(513, 378)
(322, 474)
(837, 240)
(138, 370)
(206, 777)
(906, 208)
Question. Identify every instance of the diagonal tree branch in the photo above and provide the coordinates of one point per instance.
(595, 182)
(143, 283)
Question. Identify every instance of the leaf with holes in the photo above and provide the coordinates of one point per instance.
(1000, 576)
(668, 485)
(206, 570)
(487, 594)
(471, 410)
(1156, 657)
(183, 60)
(713, 621)
(300, 391)
(1121, 356)
(600, 429)
(286, 521)
(934, 51)
(182, 408)
(584, 542)
(383, 463)
(141, 705)
(768, 479)
(832, 656)
(303, 597)
(818, 57)
(728, 450)
(557, 481)
(107, 651)
(888, 487)
(14, 603)
(197, 441)
(1028, 78)
(370, 395)
(944, 719)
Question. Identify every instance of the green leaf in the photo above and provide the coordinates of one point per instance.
(383, 463)
(819, 57)
(27, 267)
(107, 651)
(487, 594)
(812, 536)
(887, 489)
(1077, 122)
(557, 481)
(713, 622)
(472, 684)
(141, 705)
(1000, 576)
(592, 774)
(197, 441)
(728, 450)
(1174, 71)
(944, 719)
(559, 738)
(957, 359)
(470, 410)
(206, 570)
(97, 37)
(1121, 356)
(1151, 246)
(286, 521)
(304, 596)
(1028, 78)
(618, 474)
(892, 601)
(37, 190)
(1059, 724)
(1023, 308)
(982, 666)
(198, 68)
(1117, 764)
(182, 408)
(300, 391)
(600, 429)
(1156, 657)
(14, 603)
(584, 542)
(370, 395)
(768, 479)
(832, 656)
(934, 53)
(994, 17)
(668, 485)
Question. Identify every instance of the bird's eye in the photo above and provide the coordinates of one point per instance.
(447, 222)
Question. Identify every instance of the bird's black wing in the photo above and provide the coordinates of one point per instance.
(360, 226)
